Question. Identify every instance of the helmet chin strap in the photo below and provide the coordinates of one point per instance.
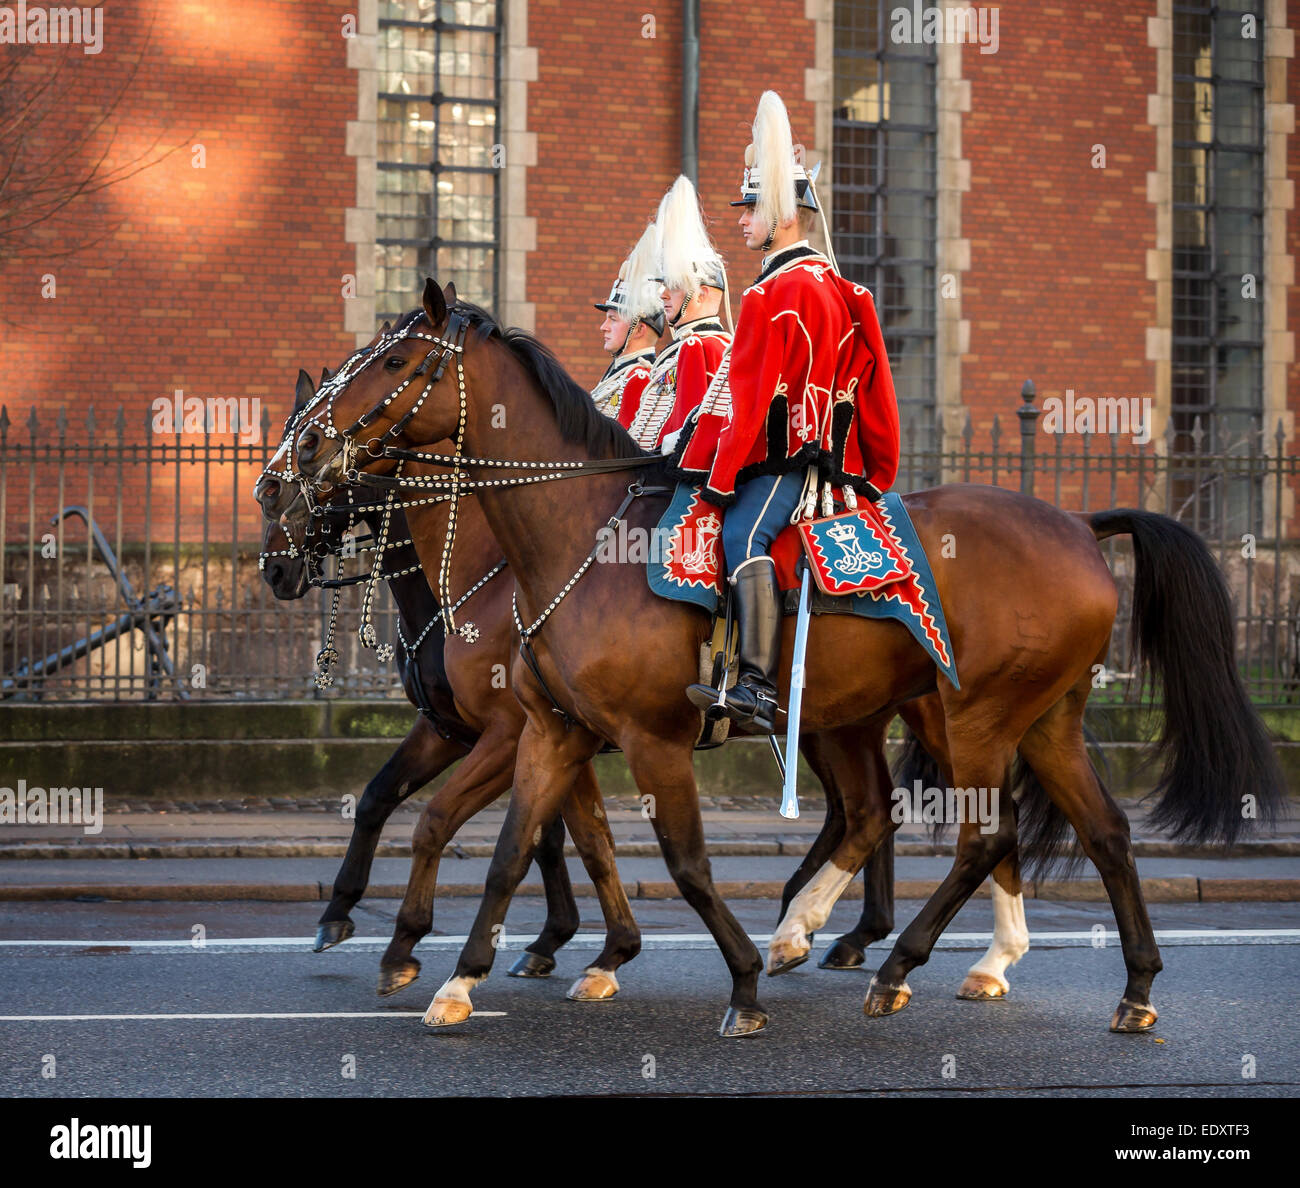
(771, 235)
(681, 309)
(636, 321)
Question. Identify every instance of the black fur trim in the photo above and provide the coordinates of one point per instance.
(777, 426)
(841, 423)
(799, 460)
(673, 465)
(717, 498)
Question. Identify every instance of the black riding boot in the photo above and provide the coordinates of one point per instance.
(752, 703)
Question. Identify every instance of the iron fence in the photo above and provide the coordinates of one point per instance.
(129, 561)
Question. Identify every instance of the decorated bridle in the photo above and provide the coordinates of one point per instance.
(456, 482)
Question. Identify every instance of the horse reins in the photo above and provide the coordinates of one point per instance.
(456, 481)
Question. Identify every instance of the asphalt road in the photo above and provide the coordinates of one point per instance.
(1220, 1004)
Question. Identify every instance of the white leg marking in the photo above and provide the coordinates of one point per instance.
(453, 990)
(1010, 937)
(809, 910)
(608, 974)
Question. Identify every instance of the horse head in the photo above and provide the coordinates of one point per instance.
(404, 391)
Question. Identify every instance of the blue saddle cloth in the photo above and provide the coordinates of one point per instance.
(686, 566)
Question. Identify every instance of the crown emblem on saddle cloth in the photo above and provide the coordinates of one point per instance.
(853, 559)
(703, 557)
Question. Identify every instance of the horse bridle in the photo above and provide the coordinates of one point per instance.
(456, 482)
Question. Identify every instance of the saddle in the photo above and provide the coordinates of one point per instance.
(867, 562)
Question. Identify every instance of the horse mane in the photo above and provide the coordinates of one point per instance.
(579, 421)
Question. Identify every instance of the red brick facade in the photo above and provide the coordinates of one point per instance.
(1057, 288)
(221, 281)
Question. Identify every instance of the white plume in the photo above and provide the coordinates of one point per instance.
(774, 151)
(643, 299)
(687, 258)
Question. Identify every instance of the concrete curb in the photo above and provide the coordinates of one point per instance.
(1155, 890)
(722, 847)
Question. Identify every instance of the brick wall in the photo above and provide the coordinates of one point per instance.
(1057, 288)
(219, 281)
(605, 108)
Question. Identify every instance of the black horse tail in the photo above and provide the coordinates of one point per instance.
(916, 763)
(1047, 843)
(1214, 749)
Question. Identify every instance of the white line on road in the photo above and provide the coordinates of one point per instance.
(235, 1015)
(679, 940)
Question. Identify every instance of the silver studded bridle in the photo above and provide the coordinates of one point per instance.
(456, 482)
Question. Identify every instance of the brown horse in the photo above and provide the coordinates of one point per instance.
(428, 751)
(468, 714)
(615, 660)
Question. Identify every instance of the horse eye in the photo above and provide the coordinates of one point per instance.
(393, 363)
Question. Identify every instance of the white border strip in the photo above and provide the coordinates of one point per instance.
(234, 1015)
(680, 940)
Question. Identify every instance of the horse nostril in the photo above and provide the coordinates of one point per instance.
(269, 493)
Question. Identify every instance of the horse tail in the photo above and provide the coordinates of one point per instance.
(1048, 843)
(916, 763)
(1214, 749)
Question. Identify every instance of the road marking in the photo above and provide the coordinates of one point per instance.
(235, 1015)
(671, 941)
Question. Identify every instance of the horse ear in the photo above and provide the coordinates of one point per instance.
(304, 391)
(449, 292)
(324, 374)
(435, 305)
(387, 327)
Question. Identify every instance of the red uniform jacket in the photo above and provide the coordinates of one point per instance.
(678, 381)
(619, 392)
(809, 382)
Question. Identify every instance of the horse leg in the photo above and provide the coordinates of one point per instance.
(980, 761)
(925, 718)
(667, 773)
(877, 920)
(538, 959)
(584, 813)
(857, 754)
(422, 755)
(813, 748)
(1054, 747)
(986, 979)
(549, 762)
(481, 778)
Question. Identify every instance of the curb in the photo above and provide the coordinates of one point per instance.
(719, 848)
(1155, 890)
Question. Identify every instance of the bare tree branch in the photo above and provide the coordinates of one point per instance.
(47, 169)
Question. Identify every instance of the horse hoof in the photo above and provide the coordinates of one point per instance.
(393, 978)
(885, 1000)
(777, 964)
(595, 985)
(981, 987)
(331, 933)
(842, 954)
(1133, 1017)
(742, 1021)
(532, 965)
(447, 1012)
(787, 953)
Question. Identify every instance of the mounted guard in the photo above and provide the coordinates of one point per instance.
(694, 280)
(808, 400)
(634, 320)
